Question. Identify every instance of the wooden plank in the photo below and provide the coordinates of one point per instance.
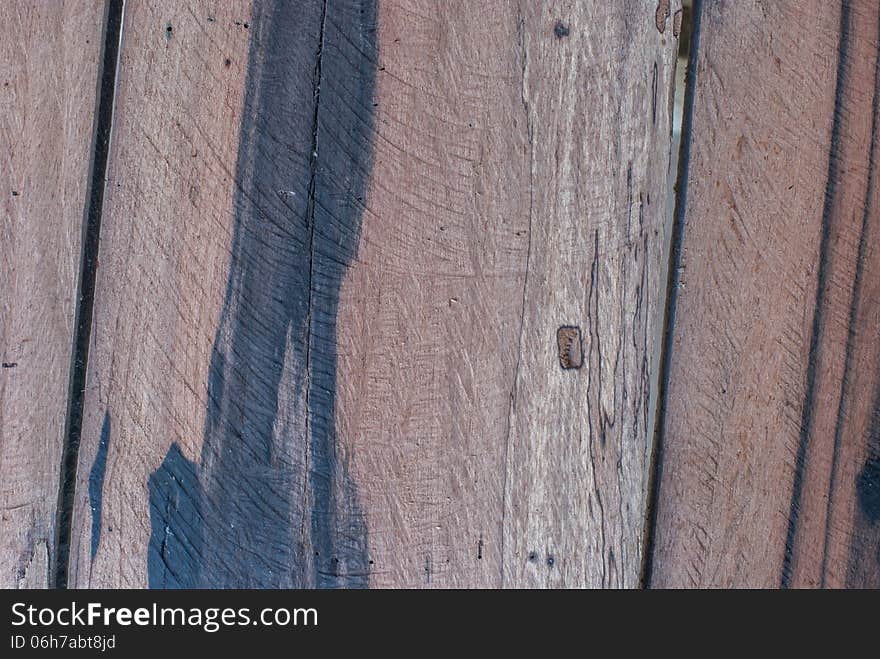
(578, 458)
(325, 349)
(49, 61)
(769, 469)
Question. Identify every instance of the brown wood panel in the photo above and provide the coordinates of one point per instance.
(340, 241)
(769, 469)
(49, 61)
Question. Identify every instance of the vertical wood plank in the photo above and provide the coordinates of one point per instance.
(769, 462)
(49, 61)
(599, 105)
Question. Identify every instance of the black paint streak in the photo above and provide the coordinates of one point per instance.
(86, 288)
(823, 286)
(855, 303)
(96, 484)
(9, 364)
(868, 489)
(561, 30)
(673, 283)
(271, 503)
(176, 516)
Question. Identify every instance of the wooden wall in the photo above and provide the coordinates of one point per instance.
(387, 294)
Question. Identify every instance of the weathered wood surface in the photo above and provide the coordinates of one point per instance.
(339, 242)
(49, 60)
(770, 463)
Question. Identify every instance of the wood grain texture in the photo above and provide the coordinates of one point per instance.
(340, 240)
(429, 309)
(769, 462)
(49, 61)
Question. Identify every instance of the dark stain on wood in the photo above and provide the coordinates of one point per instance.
(88, 268)
(863, 568)
(561, 30)
(863, 486)
(834, 222)
(96, 484)
(271, 503)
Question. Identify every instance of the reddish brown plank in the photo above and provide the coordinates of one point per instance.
(769, 464)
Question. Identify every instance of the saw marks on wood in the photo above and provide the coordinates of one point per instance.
(282, 508)
(381, 285)
(235, 199)
(429, 309)
(769, 458)
(49, 68)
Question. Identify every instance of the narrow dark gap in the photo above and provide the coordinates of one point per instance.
(685, 83)
(106, 93)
